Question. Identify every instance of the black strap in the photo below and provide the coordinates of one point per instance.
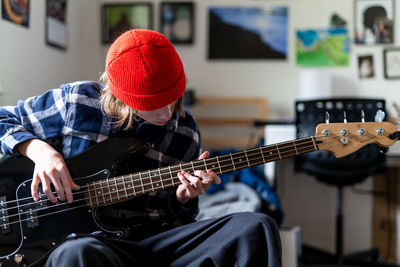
(395, 135)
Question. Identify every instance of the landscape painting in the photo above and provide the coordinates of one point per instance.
(248, 32)
(323, 47)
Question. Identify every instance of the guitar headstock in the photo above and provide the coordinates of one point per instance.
(345, 138)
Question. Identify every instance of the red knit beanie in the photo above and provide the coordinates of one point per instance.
(144, 71)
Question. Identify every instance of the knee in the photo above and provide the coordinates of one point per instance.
(73, 252)
(253, 219)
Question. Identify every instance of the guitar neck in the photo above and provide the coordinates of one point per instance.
(112, 190)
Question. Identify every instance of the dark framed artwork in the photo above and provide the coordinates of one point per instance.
(16, 11)
(56, 32)
(177, 21)
(366, 67)
(374, 22)
(118, 18)
(391, 63)
(248, 32)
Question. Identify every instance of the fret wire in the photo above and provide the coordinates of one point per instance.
(277, 149)
(133, 185)
(161, 178)
(172, 178)
(102, 192)
(95, 192)
(117, 189)
(233, 163)
(219, 165)
(123, 182)
(245, 153)
(262, 154)
(151, 180)
(90, 197)
(205, 164)
(295, 148)
(141, 181)
(192, 166)
(108, 186)
(312, 138)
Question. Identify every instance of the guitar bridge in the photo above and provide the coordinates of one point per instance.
(5, 225)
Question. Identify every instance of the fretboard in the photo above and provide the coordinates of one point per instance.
(112, 190)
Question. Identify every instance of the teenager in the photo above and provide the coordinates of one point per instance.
(140, 95)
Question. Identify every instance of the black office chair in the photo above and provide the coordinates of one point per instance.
(339, 172)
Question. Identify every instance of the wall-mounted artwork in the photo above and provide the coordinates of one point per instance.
(366, 67)
(322, 47)
(16, 11)
(391, 62)
(248, 32)
(56, 23)
(177, 21)
(118, 18)
(374, 21)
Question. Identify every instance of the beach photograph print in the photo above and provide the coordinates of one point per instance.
(322, 47)
(248, 32)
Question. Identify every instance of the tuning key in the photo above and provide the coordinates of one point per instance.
(344, 117)
(327, 117)
(362, 116)
(380, 115)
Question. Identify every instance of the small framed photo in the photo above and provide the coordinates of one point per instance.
(374, 22)
(391, 63)
(56, 23)
(118, 18)
(366, 66)
(177, 21)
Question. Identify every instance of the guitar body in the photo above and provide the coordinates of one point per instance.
(31, 230)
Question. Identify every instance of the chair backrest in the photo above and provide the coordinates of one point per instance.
(323, 164)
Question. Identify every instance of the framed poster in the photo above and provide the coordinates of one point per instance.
(374, 22)
(56, 23)
(177, 21)
(16, 11)
(118, 18)
(391, 63)
(248, 32)
(324, 47)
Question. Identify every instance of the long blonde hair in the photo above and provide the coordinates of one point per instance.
(123, 113)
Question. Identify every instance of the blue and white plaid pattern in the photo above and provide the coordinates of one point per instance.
(70, 119)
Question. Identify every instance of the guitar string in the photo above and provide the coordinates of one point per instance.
(84, 199)
(281, 147)
(169, 173)
(82, 192)
(52, 213)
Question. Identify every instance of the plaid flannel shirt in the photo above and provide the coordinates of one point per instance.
(71, 120)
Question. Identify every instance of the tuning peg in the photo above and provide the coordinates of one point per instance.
(344, 117)
(379, 116)
(362, 116)
(327, 117)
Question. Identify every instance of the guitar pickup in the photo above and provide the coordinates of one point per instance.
(30, 211)
(4, 221)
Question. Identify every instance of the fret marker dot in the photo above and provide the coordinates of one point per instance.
(270, 153)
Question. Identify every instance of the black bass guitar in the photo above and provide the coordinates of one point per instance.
(29, 230)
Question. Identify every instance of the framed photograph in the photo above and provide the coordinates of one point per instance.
(16, 11)
(56, 23)
(374, 22)
(391, 63)
(366, 66)
(177, 21)
(248, 32)
(118, 18)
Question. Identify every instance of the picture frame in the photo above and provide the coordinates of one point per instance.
(177, 21)
(250, 32)
(56, 24)
(366, 68)
(118, 18)
(374, 22)
(391, 63)
(16, 11)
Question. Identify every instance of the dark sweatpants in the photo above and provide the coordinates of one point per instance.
(239, 239)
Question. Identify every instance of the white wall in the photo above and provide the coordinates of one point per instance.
(28, 67)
